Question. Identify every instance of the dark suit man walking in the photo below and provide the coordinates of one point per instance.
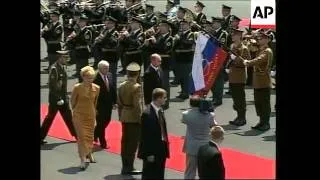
(154, 145)
(106, 101)
(152, 78)
(210, 162)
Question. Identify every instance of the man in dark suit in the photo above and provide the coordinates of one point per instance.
(152, 78)
(154, 145)
(210, 162)
(106, 101)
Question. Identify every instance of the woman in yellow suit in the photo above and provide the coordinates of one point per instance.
(83, 101)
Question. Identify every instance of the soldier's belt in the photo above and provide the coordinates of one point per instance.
(53, 42)
(183, 50)
(108, 50)
(133, 52)
(164, 55)
(81, 47)
(122, 24)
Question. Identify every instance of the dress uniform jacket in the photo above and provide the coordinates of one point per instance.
(132, 45)
(95, 16)
(150, 21)
(175, 26)
(261, 68)
(223, 37)
(184, 47)
(109, 44)
(81, 43)
(129, 102)
(226, 22)
(57, 84)
(237, 72)
(201, 18)
(163, 47)
(53, 37)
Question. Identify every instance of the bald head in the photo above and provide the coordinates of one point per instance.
(155, 60)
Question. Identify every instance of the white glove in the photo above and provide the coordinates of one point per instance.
(60, 102)
(233, 56)
(150, 158)
(273, 73)
(227, 71)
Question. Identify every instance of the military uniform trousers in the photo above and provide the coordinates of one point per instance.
(262, 104)
(66, 116)
(250, 76)
(183, 71)
(217, 88)
(97, 55)
(166, 74)
(129, 144)
(103, 119)
(133, 56)
(239, 98)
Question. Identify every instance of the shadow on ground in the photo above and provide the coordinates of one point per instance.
(251, 132)
(118, 177)
(228, 127)
(70, 170)
(53, 145)
(269, 138)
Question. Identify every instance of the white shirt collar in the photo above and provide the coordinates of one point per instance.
(156, 108)
(155, 68)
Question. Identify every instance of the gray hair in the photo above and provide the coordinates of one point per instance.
(103, 63)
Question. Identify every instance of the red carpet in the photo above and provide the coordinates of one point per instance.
(238, 165)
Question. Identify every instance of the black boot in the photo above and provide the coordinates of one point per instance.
(257, 126)
(265, 125)
(132, 170)
(125, 169)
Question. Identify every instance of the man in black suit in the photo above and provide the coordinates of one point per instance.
(210, 162)
(154, 145)
(106, 101)
(152, 78)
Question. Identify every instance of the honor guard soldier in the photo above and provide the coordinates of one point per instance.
(130, 111)
(235, 21)
(237, 77)
(73, 26)
(58, 98)
(52, 33)
(184, 43)
(132, 42)
(262, 81)
(81, 40)
(162, 44)
(226, 14)
(151, 19)
(225, 42)
(67, 13)
(176, 21)
(108, 43)
(170, 4)
(200, 16)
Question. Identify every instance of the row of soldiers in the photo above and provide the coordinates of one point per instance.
(137, 38)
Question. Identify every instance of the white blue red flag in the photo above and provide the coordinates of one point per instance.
(208, 60)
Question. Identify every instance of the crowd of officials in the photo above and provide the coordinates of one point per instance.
(141, 38)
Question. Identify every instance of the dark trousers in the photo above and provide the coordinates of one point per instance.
(113, 70)
(262, 104)
(217, 88)
(129, 58)
(103, 119)
(97, 56)
(250, 76)
(129, 144)
(52, 57)
(183, 71)
(66, 116)
(155, 170)
(239, 97)
(173, 67)
(80, 63)
(166, 85)
(146, 60)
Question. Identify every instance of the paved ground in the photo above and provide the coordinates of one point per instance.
(59, 159)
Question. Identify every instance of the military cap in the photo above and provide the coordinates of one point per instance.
(264, 35)
(236, 18)
(217, 19)
(136, 19)
(170, 2)
(162, 16)
(133, 67)
(182, 9)
(149, 6)
(200, 4)
(110, 18)
(55, 12)
(83, 17)
(226, 7)
(237, 31)
(63, 52)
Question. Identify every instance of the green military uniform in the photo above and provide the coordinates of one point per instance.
(130, 110)
(58, 99)
(262, 85)
(237, 80)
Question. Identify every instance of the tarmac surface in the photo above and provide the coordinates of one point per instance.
(59, 159)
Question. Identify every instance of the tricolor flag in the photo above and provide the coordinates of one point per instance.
(207, 62)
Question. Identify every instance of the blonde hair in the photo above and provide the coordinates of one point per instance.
(217, 132)
(87, 71)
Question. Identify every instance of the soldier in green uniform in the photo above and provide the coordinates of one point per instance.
(130, 110)
(262, 81)
(237, 77)
(58, 98)
(225, 42)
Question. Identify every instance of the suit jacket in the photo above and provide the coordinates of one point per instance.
(151, 80)
(151, 138)
(210, 162)
(198, 130)
(106, 98)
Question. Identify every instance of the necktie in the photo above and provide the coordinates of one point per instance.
(158, 71)
(161, 122)
(106, 81)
